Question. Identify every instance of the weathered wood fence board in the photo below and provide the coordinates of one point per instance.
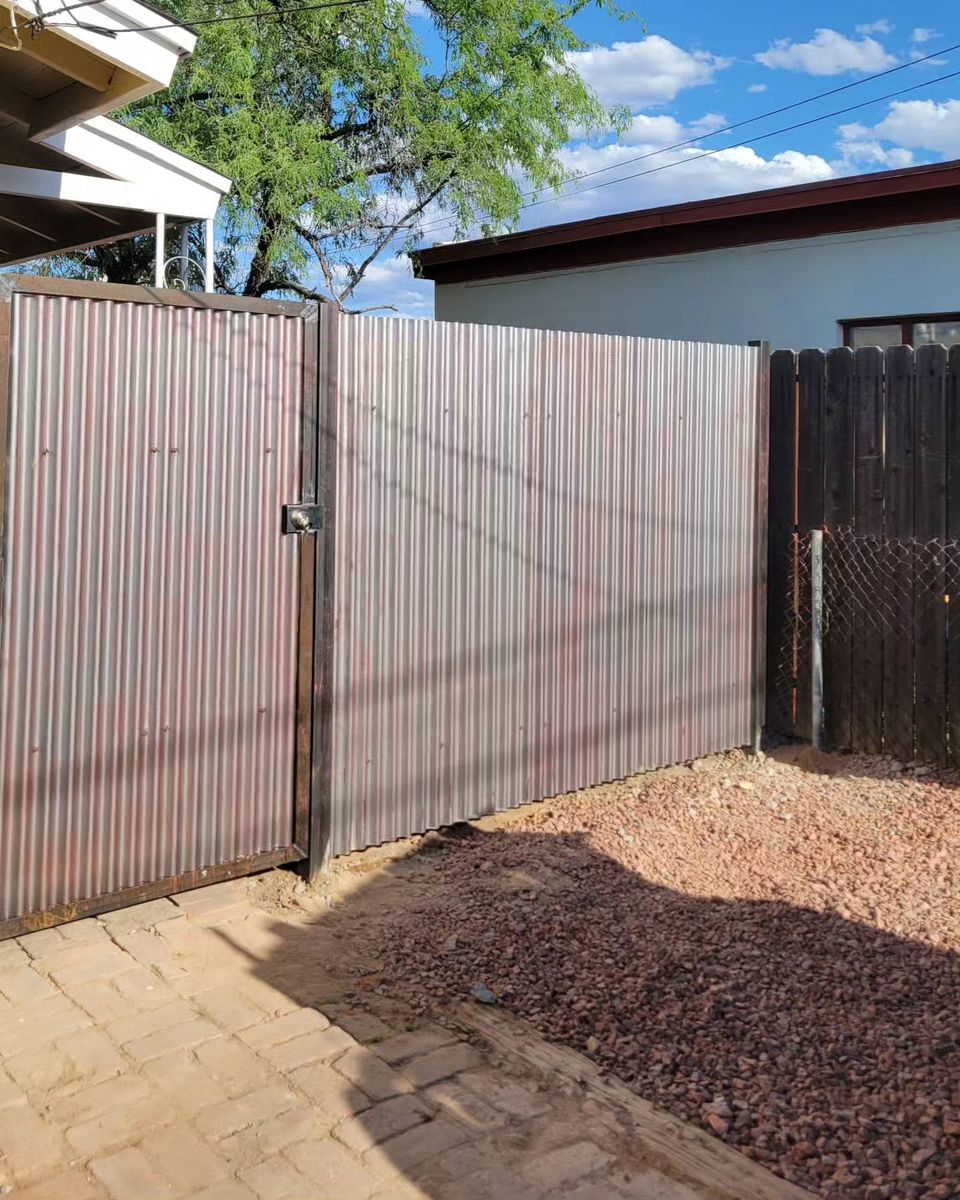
(929, 521)
(781, 538)
(898, 484)
(810, 445)
(866, 731)
(866, 445)
(838, 452)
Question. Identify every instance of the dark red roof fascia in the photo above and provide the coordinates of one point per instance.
(915, 195)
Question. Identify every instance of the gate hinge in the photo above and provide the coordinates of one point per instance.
(302, 518)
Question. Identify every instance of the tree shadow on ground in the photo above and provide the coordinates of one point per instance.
(823, 1048)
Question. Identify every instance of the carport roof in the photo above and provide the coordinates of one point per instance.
(69, 176)
(96, 182)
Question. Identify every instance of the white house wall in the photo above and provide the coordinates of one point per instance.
(789, 293)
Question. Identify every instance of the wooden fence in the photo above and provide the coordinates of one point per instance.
(865, 444)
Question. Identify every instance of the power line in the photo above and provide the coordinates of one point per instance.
(759, 138)
(773, 112)
(55, 12)
(273, 12)
(718, 150)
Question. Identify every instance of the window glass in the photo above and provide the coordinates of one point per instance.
(945, 332)
(875, 335)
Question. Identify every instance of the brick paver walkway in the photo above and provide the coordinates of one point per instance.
(147, 1054)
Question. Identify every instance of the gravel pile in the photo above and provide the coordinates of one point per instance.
(761, 948)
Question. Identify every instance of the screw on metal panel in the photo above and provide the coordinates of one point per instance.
(299, 520)
(174, 449)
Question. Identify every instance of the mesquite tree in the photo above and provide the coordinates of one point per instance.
(344, 129)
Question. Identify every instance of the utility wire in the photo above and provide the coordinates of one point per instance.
(718, 150)
(42, 23)
(773, 112)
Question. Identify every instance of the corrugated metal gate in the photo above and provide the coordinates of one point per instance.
(546, 567)
(151, 633)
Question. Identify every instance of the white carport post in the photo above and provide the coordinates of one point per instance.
(158, 251)
(208, 284)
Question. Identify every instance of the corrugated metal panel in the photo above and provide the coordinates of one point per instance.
(545, 566)
(149, 601)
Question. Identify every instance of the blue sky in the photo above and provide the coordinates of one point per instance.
(690, 68)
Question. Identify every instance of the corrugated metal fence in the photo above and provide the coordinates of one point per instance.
(539, 570)
(544, 567)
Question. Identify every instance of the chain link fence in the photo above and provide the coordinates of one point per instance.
(890, 620)
(788, 645)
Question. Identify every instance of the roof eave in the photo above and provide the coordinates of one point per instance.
(101, 73)
(640, 232)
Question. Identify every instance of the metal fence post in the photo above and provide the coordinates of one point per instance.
(761, 546)
(816, 650)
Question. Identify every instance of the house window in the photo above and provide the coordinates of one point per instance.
(920, 330)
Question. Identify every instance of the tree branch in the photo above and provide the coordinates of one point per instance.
(356, 273)
(291, 285)
(358, 312)
(347, 130)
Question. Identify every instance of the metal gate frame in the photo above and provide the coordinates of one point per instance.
(306, 823)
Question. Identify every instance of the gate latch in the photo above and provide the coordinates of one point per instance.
(302, 518)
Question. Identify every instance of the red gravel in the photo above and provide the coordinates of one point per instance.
(765, 950)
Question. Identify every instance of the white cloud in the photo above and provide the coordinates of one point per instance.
(921, 36)
(653, 131)
(827, 53)
(651, 71)
(757, 88)
(881, 26)
(861, 152)
(738, 169)
(915, 124)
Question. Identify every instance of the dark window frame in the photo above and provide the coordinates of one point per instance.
(905, 321)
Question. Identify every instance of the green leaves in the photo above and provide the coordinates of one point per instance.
(340, 132)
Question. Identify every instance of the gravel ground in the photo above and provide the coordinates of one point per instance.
(768, 949)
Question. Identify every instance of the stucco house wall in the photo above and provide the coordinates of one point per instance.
(790, 293)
